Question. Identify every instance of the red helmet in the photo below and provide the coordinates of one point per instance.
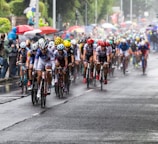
(101, 43)
(107, 43)
(90, 41)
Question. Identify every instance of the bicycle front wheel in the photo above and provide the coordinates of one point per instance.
(43, 95)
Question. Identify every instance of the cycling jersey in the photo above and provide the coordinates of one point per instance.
(124, 47)
(101, 54)
(23, 53)
(70, 52)
(60, 57)
(143, 49)
(42, 60)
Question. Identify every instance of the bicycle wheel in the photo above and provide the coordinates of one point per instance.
(94, 76)
(88, 79)
(124, 66)
(34, 96)
(61, 92)
(101, 80)
(43, 96)
(143, 65)
(57, 89)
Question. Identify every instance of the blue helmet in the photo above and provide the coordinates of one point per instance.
(60, 47)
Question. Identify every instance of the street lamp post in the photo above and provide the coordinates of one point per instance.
(85, 12)
(96, 9)
(37, 14)
(54, 13)
(131, 10)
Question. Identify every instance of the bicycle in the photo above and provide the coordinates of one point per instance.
(24, 79)
(59, 85)
(124, 63)
(101, 75)
(94, 74)
(34, 90)
(43, 87)
(88, 75)
(144, 64)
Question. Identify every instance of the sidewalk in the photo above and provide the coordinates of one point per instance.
(7, 79)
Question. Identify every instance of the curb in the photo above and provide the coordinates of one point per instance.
(8, 79)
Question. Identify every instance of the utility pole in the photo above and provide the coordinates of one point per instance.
(131, 10)
(54, 13)
(96, 9)
(37, 14)
(121, 7)
(86, 13)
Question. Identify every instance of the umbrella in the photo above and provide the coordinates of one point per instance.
(76, 28)
(108, 26)
(48, 30)
(21, 29)
(27, 10)
(33, 32)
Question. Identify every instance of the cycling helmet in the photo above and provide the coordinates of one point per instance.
(67, 43)
(41, 43)
(79, 41)
(90, 41)
(101, 43)
(58, 41)
(51, 44)
(73, 42)
(23, 44)
(142, 43)
(60, 47)
(34, 46)
(123, 40)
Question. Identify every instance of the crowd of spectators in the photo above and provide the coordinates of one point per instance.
(8, 57)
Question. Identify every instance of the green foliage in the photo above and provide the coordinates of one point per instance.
(5, 25)
(4, 9)
(17, 7)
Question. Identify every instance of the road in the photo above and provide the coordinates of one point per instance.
(124, 112)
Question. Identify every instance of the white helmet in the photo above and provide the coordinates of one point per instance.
(34, 46)
(123, 40)
(142, 43)
(41, 43)
(51, 44)
(23, 44)
(73, 42)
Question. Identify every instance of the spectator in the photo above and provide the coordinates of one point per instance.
(12, 59)
(153, 39)
(4, 50)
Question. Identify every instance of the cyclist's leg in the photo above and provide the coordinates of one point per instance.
(40, 67)
(91, 66)
(48, 68)
(85, 69)
(30, 69)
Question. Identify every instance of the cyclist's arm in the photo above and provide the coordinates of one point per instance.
(36, 59)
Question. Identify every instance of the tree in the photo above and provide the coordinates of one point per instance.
(4, 9)
(5, 25)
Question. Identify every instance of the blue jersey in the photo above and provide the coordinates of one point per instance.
(44, 57)
(123, 47)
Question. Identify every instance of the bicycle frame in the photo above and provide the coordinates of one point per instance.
(143, 64)
(88, 74)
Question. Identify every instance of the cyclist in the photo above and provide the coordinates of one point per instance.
(61, 60)
(102, 56)
(22, 55)
(43, 62)
(52, 48)
(30, 60)
(76, 49)
(70, 57)
(88, 57)
(143, 49)
(123, 50)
